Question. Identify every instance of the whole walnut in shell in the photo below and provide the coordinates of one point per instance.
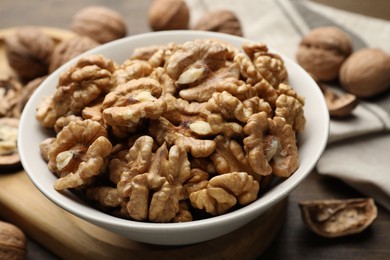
(224, 21)
(322, 52)
(68, 49)
(99, 23)
(28, 52)
(169, 15)
(12, 242)
(366, 72)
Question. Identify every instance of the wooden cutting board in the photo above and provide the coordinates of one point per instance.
(70, 237)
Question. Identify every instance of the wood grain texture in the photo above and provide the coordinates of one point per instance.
(70, 237)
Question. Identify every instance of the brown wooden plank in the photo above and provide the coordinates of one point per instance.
(70, 237)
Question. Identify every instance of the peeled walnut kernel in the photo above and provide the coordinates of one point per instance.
(79, 152)
(224, 21)
(270, 65)
(224, 191)
(99, 23)
(28, 52)
(201, 128)
(169, 15)
(322, 52)
(12, 242)
(366, 72)
(336, 218)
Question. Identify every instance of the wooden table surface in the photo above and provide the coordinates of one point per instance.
(294, 241)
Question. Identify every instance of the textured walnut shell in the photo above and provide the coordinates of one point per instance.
(68, 49)
(11, 159)
(366, 72)
(322, 52)
(224, 21)
(336, 218)
(28, 52)
(99, 23)
(169, 15)
(12, 242)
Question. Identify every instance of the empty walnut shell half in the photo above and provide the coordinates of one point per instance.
(339, 104)
(9, 156)
(336, 218)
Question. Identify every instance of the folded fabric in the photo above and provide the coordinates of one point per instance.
(358, 146)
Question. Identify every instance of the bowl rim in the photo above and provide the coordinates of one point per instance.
(251, 210)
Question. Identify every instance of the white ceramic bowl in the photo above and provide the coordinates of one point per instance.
(311, 144)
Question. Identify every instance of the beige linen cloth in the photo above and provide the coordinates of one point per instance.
(358, 150)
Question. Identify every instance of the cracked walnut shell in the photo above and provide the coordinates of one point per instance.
(336, 218)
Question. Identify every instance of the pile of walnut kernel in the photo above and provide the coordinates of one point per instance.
(174, 131)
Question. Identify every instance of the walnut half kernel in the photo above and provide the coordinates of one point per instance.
(336, 218)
